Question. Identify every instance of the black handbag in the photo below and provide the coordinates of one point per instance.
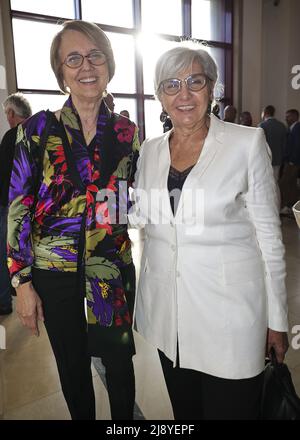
(279, 398)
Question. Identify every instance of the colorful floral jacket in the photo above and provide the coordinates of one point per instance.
(48, 238)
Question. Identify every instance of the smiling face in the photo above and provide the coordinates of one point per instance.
(87, 82)
(187, 108)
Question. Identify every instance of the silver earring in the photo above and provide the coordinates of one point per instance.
(163, 116)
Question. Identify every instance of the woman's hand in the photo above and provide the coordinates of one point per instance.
(279, 341)
(29, 307)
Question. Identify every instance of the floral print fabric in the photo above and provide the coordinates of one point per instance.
(48, 237)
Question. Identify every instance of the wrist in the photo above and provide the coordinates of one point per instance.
(20, 279)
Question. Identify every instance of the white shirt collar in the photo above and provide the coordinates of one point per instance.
(293, 125)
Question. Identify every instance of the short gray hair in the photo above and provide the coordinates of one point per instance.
(19, 104)
(93, 33)
(180, 58)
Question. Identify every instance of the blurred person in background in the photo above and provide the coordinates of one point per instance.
(125, 113)
(246, 119)
(288, 181)
(16, 108)
(230, 113)
(276, 135)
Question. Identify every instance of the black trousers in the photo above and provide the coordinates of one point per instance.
(198, 396)
(66, 326)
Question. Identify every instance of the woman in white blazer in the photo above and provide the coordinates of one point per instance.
(211, 294)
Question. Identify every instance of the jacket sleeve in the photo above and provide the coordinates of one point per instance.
(262, 204)
(134, 215)
(21, 199)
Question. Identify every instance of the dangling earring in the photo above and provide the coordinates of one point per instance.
(163, 116)
(208, 111)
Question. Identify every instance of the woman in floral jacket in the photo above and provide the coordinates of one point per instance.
(68, 234)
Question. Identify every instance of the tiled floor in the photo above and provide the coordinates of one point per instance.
(29, 385)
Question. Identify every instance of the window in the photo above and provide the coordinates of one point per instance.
(153, 47)
(111, 12)
(33, 57)
(152, 113)
(56, 8)
(139, 31)
(127, 104)
(124, 78)
(209, 21)
(162, 16)
(39, 101)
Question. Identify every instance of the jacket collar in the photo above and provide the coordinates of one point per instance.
(106, 143)
(212, 143)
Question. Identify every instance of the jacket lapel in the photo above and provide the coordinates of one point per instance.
(164, 162)
(211, 146)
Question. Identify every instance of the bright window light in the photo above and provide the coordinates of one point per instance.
(162, 16)
(201, 20)
(210, 21)
(151, 47)
(152, 113)
(112, 12)
(57, 8)
(33, 57)
(126, 104)
(123, 48)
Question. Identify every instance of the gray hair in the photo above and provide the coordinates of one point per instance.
(19, 104)
(180, 58)
(93, 33)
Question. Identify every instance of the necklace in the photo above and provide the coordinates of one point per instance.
(88, 134)
(89, 129)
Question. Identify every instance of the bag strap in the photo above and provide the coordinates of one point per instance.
(81, 186)
(273, 357)
(71, 164)
(41, 153)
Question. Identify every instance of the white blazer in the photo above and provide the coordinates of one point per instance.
(213, 277)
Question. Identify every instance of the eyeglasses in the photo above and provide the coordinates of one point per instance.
(195, 83)
(75, 60)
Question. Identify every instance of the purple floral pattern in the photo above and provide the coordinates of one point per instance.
(53, 229)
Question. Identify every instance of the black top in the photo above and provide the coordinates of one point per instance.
(7, 151)
(176, 181)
